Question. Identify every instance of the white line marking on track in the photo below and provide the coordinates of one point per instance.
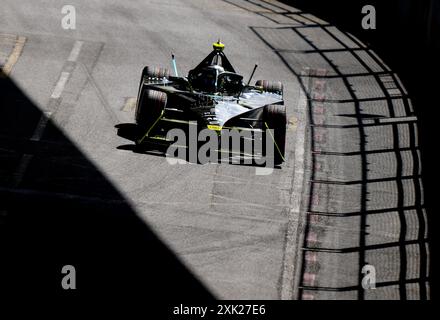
(73, 56)
(60, 85)
(21, 169)
(38, 133)
(75, 51)
(44, 119)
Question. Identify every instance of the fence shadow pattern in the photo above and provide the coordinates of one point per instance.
(365, 200)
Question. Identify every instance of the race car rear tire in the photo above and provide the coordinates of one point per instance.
(155, 73)
(270, 86)
(152, 73)
(275, 119)
(149, 108)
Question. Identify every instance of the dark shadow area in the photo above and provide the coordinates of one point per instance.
(58, 209)
(295, 24)
(366, 182)
(407, 38)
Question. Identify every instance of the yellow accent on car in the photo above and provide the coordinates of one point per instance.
(218, 46)
(151, 128)
(273, 139)
(214, 127)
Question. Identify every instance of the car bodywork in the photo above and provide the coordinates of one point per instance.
(213, 96)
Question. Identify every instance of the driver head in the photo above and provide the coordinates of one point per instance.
(206, 80)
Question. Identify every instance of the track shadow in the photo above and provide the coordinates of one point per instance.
(131, 132)
(407, 39)
(58, 209)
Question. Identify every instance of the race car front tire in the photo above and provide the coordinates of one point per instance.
(149, 108)
(270, 86)
(275, 120)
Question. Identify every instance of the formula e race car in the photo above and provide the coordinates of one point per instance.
(212, 97)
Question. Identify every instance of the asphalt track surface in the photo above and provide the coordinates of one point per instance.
(349, 194)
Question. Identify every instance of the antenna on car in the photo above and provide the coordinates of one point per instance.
(252, 74)
(173, 60)
(249, 81)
